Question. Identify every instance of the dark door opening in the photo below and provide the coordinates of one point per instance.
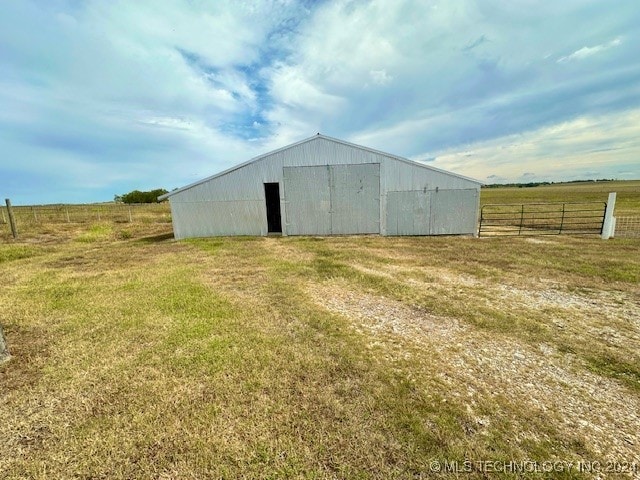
(272, 197)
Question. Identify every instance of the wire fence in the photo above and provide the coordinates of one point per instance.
(627, 227)
(91, 213)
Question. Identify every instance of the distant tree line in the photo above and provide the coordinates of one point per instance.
(539, 184)
(140, 197)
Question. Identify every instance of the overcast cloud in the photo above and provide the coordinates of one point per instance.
(100, 98)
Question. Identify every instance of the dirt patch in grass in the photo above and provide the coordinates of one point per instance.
(380, 315)
(583, 406)
(613, 305)
(29, 348)
(421, 276)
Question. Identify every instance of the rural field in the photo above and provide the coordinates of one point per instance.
(627, 203)
(136, 356)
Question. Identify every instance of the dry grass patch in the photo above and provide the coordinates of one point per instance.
(361, 357)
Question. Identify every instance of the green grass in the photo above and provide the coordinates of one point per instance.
(10, 253)
(96, 232)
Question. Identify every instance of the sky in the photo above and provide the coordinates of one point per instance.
(99, 98)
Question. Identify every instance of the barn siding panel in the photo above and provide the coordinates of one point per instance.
(454, 212)
(332, 199)
(409, 213)
(307, 200)
(355, 199)
(204, 219)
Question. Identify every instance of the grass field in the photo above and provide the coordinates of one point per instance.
(29, 216)
(627, 202)
(135, 356)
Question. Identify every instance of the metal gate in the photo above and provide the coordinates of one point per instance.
(542, 218)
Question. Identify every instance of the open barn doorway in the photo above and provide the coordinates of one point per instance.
(272, 198)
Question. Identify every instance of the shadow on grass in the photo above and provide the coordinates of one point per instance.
(157, 238)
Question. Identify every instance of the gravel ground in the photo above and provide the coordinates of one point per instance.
(596, 409)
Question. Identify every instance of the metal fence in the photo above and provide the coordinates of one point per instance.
(542, 218)
(113, 212)
(627, 227)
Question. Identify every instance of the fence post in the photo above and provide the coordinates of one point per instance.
(609, 223)
(130, 218)
(66, 209)
(4, 350)
(521, 219)
(12, 219)
(35, 216)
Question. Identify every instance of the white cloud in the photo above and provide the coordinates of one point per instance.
(585, 52)
(293, 89)
(168, 122)
(436, 77)
(380, 77)
(603, 146)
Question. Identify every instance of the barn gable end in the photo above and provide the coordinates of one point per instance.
(327, 186)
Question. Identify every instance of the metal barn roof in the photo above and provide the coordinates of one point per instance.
(311, 139)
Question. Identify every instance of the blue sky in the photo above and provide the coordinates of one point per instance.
(100, 98)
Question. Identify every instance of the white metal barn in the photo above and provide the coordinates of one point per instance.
(325, 186)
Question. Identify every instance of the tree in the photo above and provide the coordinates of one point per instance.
(137, 196)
